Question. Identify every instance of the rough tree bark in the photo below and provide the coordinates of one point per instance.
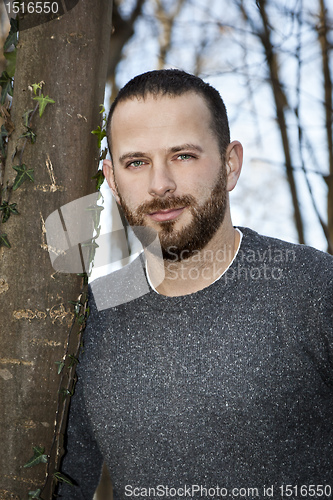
(70, 55)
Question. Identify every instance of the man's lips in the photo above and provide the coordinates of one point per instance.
(164, 215)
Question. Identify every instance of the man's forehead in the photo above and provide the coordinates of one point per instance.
(162, 120)
(136, 103)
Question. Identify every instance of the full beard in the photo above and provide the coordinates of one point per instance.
(183, 243)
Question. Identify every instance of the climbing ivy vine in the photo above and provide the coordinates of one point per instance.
(24, 173)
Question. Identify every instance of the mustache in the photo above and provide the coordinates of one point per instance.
(173, 202)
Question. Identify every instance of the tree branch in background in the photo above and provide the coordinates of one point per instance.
(167, 21)
(323, 31)
(123, 30)
(281, 103)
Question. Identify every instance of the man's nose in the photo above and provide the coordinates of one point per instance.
(161, 180)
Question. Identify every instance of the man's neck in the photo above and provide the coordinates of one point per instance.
(190, 275)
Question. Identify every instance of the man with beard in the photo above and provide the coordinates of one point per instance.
(218, 381)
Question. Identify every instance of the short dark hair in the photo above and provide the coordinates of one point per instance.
(174, 82)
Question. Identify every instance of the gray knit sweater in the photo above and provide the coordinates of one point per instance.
(222, 393)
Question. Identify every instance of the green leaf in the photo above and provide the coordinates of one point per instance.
(74, 360)
(29, 134)
(60, 364)
(12, 37)
(62, 478)
(65, 392)
(35, 87)
(11, 62)
(23, 174)
(37, 458)
(34, 494)
(4, 240)
(3, 135)
(103, 154)
(90, 244)
(99, 179)
(6, 84)
(26, 117)
(95, 212)
(43, 102)
(77, 305)
(7, 210)
(100, 135)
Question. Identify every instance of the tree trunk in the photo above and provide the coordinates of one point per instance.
(280, 100)
(70, 55)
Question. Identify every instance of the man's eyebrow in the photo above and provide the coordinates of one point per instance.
(134, 154)
(183, 147)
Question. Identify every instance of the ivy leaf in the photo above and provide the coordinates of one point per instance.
(3, 135)
(23, 174)
(34, 494)
(65, 392)
(11, 62)
(100, 134)
(4, 240)
(74, 361)
(90, 244)
(77, 305)
(103, 154)
(62, 478)
(7, 210)
(29, 134)
(60, 364)
(12, 38)
(99, 179)
(43, 102)
(26, 117)
(37, 458)
(95, 212)
(35, 87)
(6, 84)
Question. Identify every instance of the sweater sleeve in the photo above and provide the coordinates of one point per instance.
(83, 461)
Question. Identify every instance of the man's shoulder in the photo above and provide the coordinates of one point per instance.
(300, 260)
(120, 286)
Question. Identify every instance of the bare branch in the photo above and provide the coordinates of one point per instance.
(323, 31)
(281, 104)
(167, 21)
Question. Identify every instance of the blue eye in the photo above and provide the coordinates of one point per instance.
(136, 163)
(185, 157)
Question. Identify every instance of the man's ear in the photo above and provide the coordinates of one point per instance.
(234, 161)
(109, 176)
